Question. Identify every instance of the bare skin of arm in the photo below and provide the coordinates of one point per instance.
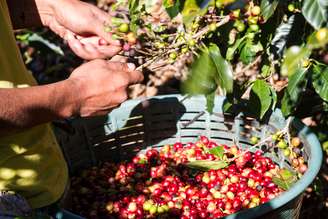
(93, 89)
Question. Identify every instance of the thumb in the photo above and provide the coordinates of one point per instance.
(99, 28)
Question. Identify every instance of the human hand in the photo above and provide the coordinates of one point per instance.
(101, 85)
(82, 26)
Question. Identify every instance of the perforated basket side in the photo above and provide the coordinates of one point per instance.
(161, 120)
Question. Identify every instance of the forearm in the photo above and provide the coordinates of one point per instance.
(22, 108)
(29, 13)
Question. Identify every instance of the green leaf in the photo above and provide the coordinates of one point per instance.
(231, 50)
(134, 11)
(274, 98)
(320, 80)
(201, 78)
(296, 84)
(192, 9)
(172, 7)
(224, 72)
(295, 56)
(207, 164)
(249, 51)
(260, 97)
(281, 36)
(285, 179)
(217, 151)
(268, 8)
(210, 102)
(315, 12)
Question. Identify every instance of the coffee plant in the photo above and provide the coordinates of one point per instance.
(247, 50)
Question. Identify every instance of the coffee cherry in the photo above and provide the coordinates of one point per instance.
(295, 142)
(252, 20)
(282, 144)
(302, 168)
(254, 27)
(123, 28)
(212, 27)
(291, 7)
(184, 50)
(240, 26)
(322, 35)
(254, 140)
(173, 55)
(131, 38)
(218, 3)
(286, 152)
(153, 210)
(256, 10)
(191, 43)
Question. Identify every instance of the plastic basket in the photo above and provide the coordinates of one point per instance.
(138, 124)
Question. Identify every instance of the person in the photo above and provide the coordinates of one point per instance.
(31, 162)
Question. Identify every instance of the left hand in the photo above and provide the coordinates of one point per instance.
(82, 26)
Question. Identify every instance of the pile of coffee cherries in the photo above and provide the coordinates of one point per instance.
(160, 184)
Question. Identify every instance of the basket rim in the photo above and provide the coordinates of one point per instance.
(314, 162)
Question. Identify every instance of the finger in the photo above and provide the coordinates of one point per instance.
(78, 48)
(99, 27)
(135, 77)
(119, 58)
(120, 66)
(119, 98)
(109, 51)
(93, 51)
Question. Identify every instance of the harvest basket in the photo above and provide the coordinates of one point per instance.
(138, 124)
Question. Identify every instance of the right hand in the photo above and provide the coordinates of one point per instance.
(102, 85)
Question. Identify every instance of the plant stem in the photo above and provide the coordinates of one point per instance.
(284, 131)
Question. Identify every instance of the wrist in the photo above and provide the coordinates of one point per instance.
(69, 98)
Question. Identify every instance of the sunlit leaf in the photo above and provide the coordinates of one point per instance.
(268, 8)
(210, 102)
(217, 151)
(281, 36)
(207, 164)
(294, 58)
(224, 74)
(284, 179)
(260, 97)
(231, 50)
(201, 78)
(319, 73)
(193, 8)
(315, 12)
(172, 7)
(296, 84)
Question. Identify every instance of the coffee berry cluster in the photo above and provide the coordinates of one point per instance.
(160, 184)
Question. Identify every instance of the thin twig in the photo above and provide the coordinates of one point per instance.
(284, 131)
(193, 120)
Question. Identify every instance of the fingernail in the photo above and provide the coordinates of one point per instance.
(131, 66)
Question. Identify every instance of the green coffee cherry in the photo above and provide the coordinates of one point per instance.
(123, 28)
(286, 152)
(107, 29)
(240, 26)
(184, 50)
(191, 42)
(282, 144)
(173, 55)
(160, 210)
(153, 209)
(274, 137)
(254, 140)
(325, 145)
(212, 27)
(254, 27)
(291, 7)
